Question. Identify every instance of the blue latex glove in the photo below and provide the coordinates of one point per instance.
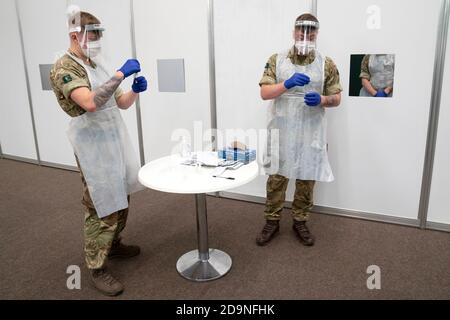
(130, 67)
(312, 99)
(139, 84)
(381, 93)
(298, 79)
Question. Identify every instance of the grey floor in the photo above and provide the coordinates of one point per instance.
(41, 235)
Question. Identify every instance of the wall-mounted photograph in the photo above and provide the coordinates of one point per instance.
(372, 75)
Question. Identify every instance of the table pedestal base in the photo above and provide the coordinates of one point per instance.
(203, 264)
(191, 267)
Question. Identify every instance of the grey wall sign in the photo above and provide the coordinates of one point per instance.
(171, 75)
(45, 76)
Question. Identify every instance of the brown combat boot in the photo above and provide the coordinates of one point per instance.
(123, 251)
(269, 231)
(105, 282)
(302, 232)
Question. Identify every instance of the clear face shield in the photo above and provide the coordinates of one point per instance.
(90, 41)
(305, 35)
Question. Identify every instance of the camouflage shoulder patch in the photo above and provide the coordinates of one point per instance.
(67, 78)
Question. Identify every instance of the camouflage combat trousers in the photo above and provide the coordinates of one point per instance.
(99, 233)
(276, 194)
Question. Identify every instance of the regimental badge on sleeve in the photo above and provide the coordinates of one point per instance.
(67, 78)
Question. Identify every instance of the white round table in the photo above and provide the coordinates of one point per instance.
(169, 175)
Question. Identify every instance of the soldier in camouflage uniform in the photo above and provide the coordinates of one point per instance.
(272, 88)
(68, 78)
(371, 67)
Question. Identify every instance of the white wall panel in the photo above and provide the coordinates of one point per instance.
(439, 198)
(16, 129)
(172, 29)
(377, 146)
(45, 36)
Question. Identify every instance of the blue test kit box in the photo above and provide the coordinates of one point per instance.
(244, 156)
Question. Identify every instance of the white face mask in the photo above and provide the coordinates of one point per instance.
(305, 47)
(93, 49)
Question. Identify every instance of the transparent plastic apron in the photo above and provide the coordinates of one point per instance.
(105, 152)
(297, 147)
(381, 68)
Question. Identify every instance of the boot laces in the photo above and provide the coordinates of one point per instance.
(303, 229)
(269, 227)
(107, 277)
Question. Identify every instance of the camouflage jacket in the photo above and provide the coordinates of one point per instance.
(365, 73)
(67, 75)
(332, 83)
